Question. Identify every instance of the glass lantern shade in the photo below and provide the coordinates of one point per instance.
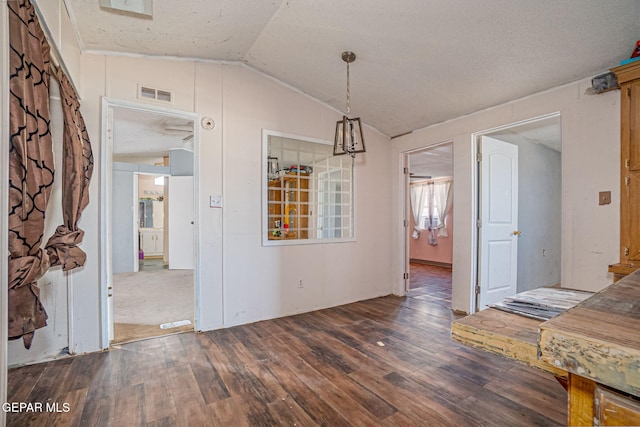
(348, 139)
(273, 167)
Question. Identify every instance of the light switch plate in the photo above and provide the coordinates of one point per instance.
(215, 201)
(604, 198)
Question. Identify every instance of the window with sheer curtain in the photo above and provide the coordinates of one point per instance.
(430, 204)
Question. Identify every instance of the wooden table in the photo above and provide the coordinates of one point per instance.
(593, 348)
(504, 334)
(598, 343)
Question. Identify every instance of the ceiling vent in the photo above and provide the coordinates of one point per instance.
(143, 8)
(146, 92)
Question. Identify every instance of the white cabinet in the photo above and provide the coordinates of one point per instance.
(152, 241)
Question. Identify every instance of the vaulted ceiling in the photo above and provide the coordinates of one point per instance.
(419, 62)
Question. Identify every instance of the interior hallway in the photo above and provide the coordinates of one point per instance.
(386, 361)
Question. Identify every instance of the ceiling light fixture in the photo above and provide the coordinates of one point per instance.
(349, 139)
(139, 7)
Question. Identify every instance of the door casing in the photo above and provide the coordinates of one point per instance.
(475, 137)
(106, 280)
(406, 208)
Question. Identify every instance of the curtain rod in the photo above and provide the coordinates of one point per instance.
(56, 57)
(432, 180)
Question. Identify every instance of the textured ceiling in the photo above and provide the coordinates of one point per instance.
(419, 62)
(435, 162)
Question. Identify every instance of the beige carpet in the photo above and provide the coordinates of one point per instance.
(145, 300)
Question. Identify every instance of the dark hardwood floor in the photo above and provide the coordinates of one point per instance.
(387, 361)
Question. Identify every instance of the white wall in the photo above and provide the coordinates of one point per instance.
(590, 163)
(244, 282)
(539, 216)
(4, 206)
(59, 27)
(332, 273)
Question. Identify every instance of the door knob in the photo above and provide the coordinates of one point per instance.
(517, 233)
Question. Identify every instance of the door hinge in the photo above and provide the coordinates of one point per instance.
(405, 276)
(406, 171)
(626, 163)
(477, 290)
(478, 156)
(479, 223)
(626, 251)
(406, 223)
(627, 181)
(629, 91)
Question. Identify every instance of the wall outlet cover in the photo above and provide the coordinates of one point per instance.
(604, 198)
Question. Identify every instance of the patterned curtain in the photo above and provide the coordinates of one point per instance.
(31, 168)
(31, 172)
(76, 173)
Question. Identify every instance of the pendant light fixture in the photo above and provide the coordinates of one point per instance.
(348, 139)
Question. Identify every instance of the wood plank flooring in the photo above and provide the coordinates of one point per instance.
(383, 362)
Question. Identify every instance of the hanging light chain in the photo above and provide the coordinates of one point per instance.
(348, 138)
(348, 57)
(348, 94)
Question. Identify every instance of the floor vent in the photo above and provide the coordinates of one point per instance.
(175, 324)
(145, 92)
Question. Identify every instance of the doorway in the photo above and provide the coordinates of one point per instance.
(429, 231)
(518, 210)
(148, 230)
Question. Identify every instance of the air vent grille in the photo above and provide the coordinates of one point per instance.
(163, 95)
(146, 92)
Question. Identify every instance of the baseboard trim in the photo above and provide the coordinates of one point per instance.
(433, 263)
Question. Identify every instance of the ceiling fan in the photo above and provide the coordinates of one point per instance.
(185, 128)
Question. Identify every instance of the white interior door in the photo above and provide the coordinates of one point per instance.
(181, 253)
(498, 233)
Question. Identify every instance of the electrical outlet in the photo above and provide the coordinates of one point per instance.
(604, 198)
(300, 284)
